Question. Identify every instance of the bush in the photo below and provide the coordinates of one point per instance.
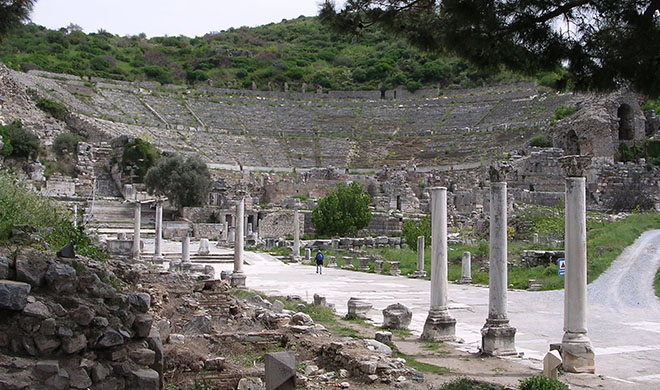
(138, 157)
(55, 109)
(562, 112)
(468, 384)
(541, 141)
(66, 143)
(541, 383)
(186, 182)
(629, 197)
(158, 73)
(18, 141)
(343, 211)
(413, 229)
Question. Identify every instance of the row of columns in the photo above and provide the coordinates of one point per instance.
(498, 337)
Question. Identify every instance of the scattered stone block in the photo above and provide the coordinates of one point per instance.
(140, 301)
(378, 347)
(110, 338)
(394, 268)
(176, 338)
(301, 319)
(383, 337)
(144, 379)
(358, 308)
(250, 383)
(280, 370)
(31, 269)
(551, 362)
(396, 316)
(75, 344)
(67, 251)
(215, 364)
(13, 295)
(199, 324)
(143, 356)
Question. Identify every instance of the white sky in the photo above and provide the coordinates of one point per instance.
(168, 17)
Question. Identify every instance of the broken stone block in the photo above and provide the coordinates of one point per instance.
(378, 347)
(110, 338)
(62, 278)
(13, 295)
(142, 324)
(203, 247)
(280, 370)
(73, 345)
(383, 337)
(176, 338)
(83, 315)
(358, 308)
(144, 379)
(301, 319)
(215, 364)
(250, 383)
(32, 269)
(199, 324)
(396, 316)
(37, 310)
(4, 267)
(143, 356)
(140, 301)
(79, 378)
(551, 363)
(67, 251)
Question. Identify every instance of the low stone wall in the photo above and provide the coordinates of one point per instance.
(208, 230)
(120, 247)
(346, 243)
(175, 229)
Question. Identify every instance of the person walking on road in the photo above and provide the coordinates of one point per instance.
(319, 262)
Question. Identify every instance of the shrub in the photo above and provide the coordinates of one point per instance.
(158, 73)
(66, 143)
(541, 141)
(541, 383)
(343, 211)
(413, 229)
(562, 112)
(55, 109)
(629, 197)
(138, 157)
(467, 384)
(18, 141)
(186, 182)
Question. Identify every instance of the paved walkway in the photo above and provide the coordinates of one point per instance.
(623, 313)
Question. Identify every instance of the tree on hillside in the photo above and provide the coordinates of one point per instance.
(13, 13)
(185, 181)
(602, 44)
(343, 211)
(412, 229)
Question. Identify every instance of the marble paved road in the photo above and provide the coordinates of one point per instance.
(623, 313)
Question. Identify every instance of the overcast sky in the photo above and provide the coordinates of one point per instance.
(168, 17)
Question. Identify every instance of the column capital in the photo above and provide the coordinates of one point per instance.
(498, 171)
(575, 165)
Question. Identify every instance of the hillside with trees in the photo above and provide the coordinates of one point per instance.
(296, 52)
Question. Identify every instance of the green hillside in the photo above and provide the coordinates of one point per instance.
(295, 51)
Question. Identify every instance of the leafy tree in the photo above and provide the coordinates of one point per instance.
(66, 143)
(602, 43)
(343, 211)
(18, 141)
(413, 229)
(13, 13)
(138, 157)
(186, 182)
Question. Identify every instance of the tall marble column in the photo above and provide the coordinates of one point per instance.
(576, 350)
(136, 230)
(158, 241)
(497, 336)
(439, 324)
(296, 236)
(466, 267)
(238, 277)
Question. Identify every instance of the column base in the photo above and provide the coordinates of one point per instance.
(498, 338)
(418, 274)
(466, 280)
(237, 279)
(439, 326)
(577, 355)
(158, 259)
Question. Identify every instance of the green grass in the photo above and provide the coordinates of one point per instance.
(421, 366)
(400, 333)
(431, 345)
(468, 384)
(657, 283)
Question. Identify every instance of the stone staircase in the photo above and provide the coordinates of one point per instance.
(113, 215)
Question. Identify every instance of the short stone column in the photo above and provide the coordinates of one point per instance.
(185, 249)
(358, 307)
(419, 272)
(576, 350)
(332, 261)
(238, 277)
(497, 336)
(203, 247)
(466, 268)
(363, 263)
(158, 241)
(394, 268)
(378, 266)
(296, 236)
(308, 256)
(439, 324)
(136, 230)
(225, 231)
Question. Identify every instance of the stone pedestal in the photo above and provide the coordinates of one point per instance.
(158, 241)
(363, 263)
(308, 256)
(439, 324)
(396, 316)
(185, 249)
(237, 279)
(497, 337)
(332, 261)
(466, 268)
(576, 350)
(419, 272)
(203, 247)
(394, 268)
(358, 308)
(378, 266)
(348, 262)
(136, 230)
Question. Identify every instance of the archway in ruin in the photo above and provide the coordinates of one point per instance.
(626, 124)
(572, 144)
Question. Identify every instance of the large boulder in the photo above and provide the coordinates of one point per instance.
(13, 295)
(31, 268)
(62, 278)
(140, 301)
(396, 316)
(144, 379)
(199, 324)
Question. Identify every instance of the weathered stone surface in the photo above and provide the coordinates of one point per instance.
(112, 383)
(75, 344)
(100, 372)
(13, 295)
(79, 378)
(142, 324)
(4, 267)
(199, 324)
(37, 309)
(46, 344)
(58, 381)
(358, 307)
(99, 322)
(48, 327)
(111, 338)
(31, 268)
(144, 379)
(258, 300)
(143, 356)
(379, 347)
(301, 319)
(82, 315)
(46, 368)
(278, 306)
(396, 316)
(215, 364)
(141, 301)
(175, 338)
(383, 337)
(250, 383)
(280, 370)
(62, 278)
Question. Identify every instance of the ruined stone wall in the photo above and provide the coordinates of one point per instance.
(278, 224)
